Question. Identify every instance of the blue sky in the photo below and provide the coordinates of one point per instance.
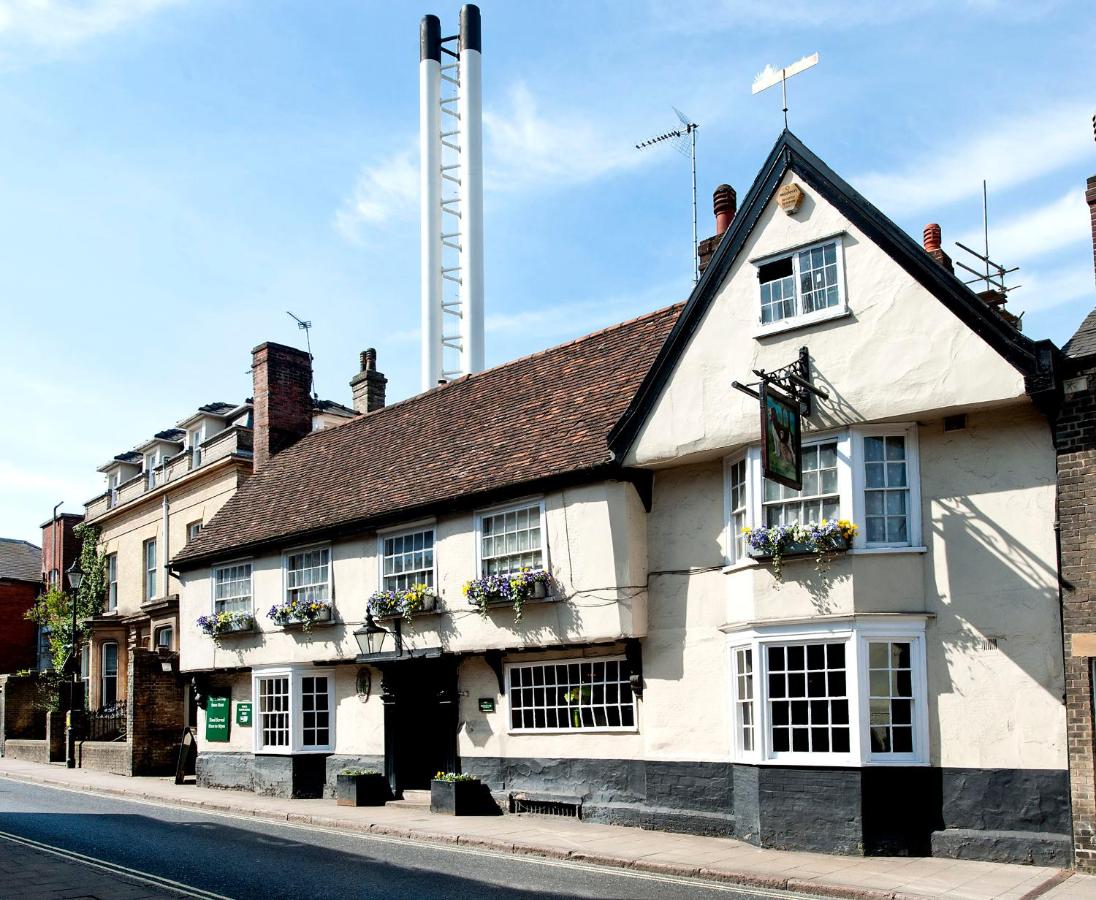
(175, 174)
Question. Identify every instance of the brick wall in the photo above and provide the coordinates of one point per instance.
(1076, 439)
(18, 637)
(59, 543)
(156, 702)
(20, 716)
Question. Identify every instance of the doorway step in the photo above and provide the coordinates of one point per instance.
(412, 800)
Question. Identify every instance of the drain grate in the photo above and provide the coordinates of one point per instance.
(554, 808)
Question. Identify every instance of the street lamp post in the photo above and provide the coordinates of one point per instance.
(371, 639)
(75, 578)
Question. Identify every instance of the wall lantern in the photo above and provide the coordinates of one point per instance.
(373, 640)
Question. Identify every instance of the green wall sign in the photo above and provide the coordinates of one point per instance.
(217, 711)
(487, 704)
(243, 714)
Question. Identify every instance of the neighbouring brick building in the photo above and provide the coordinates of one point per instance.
(60, 547)
(20, 584)
(1076, 441)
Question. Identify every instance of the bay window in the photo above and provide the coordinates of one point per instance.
(295, 710)
(868, 474)
(825, 695)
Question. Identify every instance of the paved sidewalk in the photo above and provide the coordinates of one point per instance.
(719, 859)
(32, 874)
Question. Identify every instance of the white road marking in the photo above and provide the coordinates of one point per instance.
(735, 889)
(113, 868)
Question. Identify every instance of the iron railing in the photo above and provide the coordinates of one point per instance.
(108, 723)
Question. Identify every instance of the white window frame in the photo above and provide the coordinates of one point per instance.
(157, 631)
(330, 570)
(913, 479)
(565, 661)
(112, 581)
(294, 674)
(731, 535)
(103, 672)
(147, 571)
(856, 636)
(248, 561)
(513, 507)
(850, 484)
(194, 438)
(800, 318)
(152, 460)
(193, 529)
(403, 531)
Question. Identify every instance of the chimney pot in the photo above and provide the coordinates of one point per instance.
(932, 237)
(368, 386)
(725, 205)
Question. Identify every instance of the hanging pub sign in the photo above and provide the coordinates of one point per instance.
(781, 438)
(785, 397)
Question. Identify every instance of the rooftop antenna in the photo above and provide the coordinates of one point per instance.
(306, 327)
(683, 140)
(770, 76)
(994, 273)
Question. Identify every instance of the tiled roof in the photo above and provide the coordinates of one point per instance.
(217, 408)
(1083, 341)
(536, 418)
(20, 560)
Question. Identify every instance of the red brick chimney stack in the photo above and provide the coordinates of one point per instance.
(369, 384)
(932, 246)
(1090, 196)
(725, 205)
(282, 379)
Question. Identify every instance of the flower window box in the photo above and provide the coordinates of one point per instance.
(304, 613)
(509, 590)
(821, 540)
(219, 625)
(403, 604)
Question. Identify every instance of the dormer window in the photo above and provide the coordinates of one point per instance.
(802, 284)
(194, 445)
(152, 460)
(113, 480)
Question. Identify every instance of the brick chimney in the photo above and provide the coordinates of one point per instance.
(282, 379)
(1090, 196)
(932, 247)
(724, 204)
(368, 384)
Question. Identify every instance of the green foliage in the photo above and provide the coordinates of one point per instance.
(53, 610)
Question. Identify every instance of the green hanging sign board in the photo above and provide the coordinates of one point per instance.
(217, 712)
(243, 714)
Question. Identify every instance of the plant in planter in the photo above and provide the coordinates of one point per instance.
(455, 794)
(822, 540)
(362, 787)
(222, 623)
(515, 589)
(297, 611)
(391, 604)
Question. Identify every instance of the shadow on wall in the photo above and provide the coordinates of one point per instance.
(1008, 597)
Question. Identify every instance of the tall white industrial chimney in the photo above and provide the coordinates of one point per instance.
(451, 178)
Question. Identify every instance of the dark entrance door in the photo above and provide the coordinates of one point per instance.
(420, 721)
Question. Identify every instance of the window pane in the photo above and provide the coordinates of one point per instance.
(517, 541)
(593, 696)
(807, 690)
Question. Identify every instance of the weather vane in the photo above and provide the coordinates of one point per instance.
(770, 76)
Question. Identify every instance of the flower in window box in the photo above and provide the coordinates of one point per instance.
(823, 540)
(391, 604)
(223, 623)
(300, 611)
(515, 590)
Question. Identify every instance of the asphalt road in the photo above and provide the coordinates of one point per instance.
(240, 858)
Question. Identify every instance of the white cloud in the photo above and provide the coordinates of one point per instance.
(1006, 153)
(385, 191)
(1036, 232)
(530, 148)
(57, 24)
(525, 148)
(1046, 289)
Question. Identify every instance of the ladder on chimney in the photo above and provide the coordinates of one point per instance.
(451, 261)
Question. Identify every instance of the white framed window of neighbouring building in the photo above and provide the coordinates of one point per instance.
(112, 581)
(407, 557)
(869, 474)
(150, 569)
(295, 710)
(589, 694)
(307, 574)
(231, 584)
(801, 285)
(511, 538)
(831, 694)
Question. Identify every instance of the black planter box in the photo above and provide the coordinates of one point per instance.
(362, 790)
(457, 798)
(797, 548)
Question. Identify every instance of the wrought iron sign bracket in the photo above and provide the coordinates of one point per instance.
(793, 380)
